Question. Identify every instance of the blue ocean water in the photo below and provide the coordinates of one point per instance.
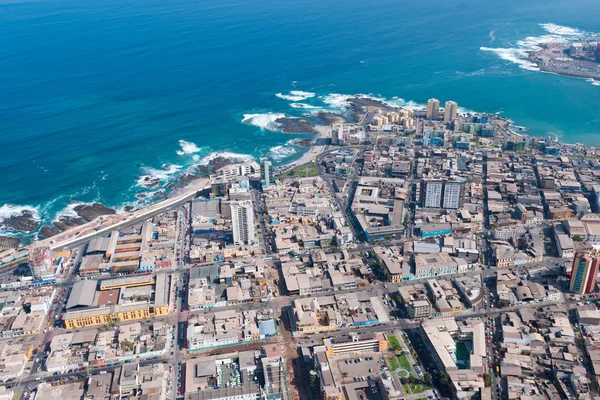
(96, 95)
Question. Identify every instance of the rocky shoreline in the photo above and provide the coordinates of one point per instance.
(9, 242)
(85, 214)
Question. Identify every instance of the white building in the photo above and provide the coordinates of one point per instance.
(453, 195)
(242, 219)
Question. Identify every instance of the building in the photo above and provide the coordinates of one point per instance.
(266, 171)
(583, 275)
(355, 343)
(431, 196)
(450, 110)
(453, 195)
(242, 219)
(433, 109)
(415, 300)
(432, 265)
(442, 194)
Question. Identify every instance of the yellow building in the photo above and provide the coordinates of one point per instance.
(131, 281)
(106, 315)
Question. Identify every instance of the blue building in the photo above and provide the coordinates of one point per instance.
(433, 230)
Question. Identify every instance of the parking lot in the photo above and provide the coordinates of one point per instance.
(359, 368)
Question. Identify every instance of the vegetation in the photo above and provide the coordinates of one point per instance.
(126, 345)
(393, 363)
(310, 169)
(577, 238)
(394, 342)
(404, 363)
(444, 377)
(487, 380)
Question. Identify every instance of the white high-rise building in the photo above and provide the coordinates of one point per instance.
(453, 195)
(432, 194)
(242, 220)
(433, 109)
(450, 110)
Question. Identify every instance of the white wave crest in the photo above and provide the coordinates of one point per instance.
(228, 155)
(593, 81)
(263, 121)
(561, 30)
(303, 105)
(187, 148)
(517, 56)
(280, 152)
(520, 53)
(336, 100)
(12, 210)
(296, 95)
(154, 176)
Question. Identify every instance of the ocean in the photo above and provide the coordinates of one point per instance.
(98, 96)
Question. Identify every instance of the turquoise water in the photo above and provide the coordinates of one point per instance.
(95, 95)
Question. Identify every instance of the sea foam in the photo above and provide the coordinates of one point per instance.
(263, 121)
(187, 148)
(151, 175)
(12, 210)
(228, 155)
(519, 54)
(280, 152)
(295, 95)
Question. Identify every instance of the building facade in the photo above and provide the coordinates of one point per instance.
(242, 220)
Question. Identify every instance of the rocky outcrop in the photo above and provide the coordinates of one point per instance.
(9, 242)
(295, 125)
(47, 231)
(24, 222)
(329, 118)
(90, 212)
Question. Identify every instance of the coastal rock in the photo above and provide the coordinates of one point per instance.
(9, 242)
(188, 177)
(360, 105)
(65, 222)
(220, 162)
(141, 195)
(330, 118)
(24, 222)
(129, 208)
(150, 182)
(89, 212)
(47, 231)
(203, 170)
(304, 142)
(295, 125)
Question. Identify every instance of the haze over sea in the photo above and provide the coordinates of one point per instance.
(97, 95)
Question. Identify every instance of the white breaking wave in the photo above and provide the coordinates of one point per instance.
(593, 81)
(187, 148)
(11, 210)
(153, 176)
(263, 121)
(302, 105)
(280, 152)
(336, 100)
(296, 95)
(492, 36)
(561, 30)
(520, 53)
(228, 155)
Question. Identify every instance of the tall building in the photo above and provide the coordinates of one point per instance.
(266, 171)
(583, 274)
(453, 195)
(442, 194)
(242, 220)
(431, 193)
(450, 110)
(433, 109)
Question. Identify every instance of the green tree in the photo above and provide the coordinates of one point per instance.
(577, 238)
(126, 345)
(427, 377)
(487, 380)
(444, 377)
